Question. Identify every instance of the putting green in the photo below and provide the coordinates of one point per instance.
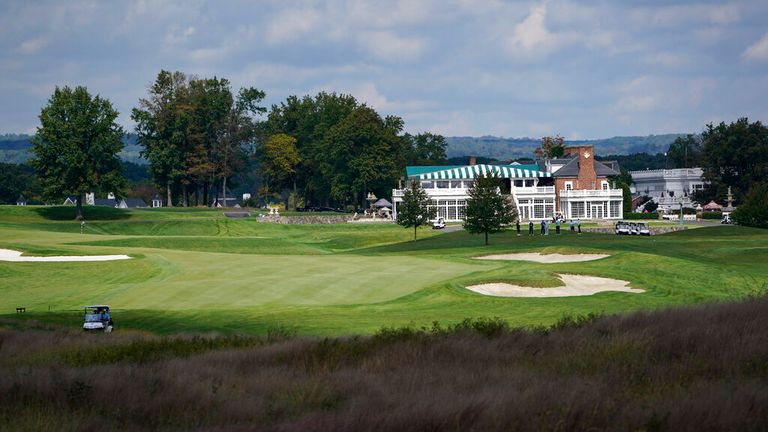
(195, 270)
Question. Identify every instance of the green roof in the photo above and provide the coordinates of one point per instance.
(412, 171)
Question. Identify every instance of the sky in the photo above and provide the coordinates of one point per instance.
(584, 70)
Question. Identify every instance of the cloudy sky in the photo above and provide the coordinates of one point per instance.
(586, 69)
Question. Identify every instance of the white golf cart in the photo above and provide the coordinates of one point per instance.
(97, 318)
(439, 223)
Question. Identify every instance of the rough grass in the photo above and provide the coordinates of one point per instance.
(692, 369)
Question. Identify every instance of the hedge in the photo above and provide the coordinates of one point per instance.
(649, 216)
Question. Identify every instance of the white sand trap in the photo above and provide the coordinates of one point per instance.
(575, 285)
(544, 258)
(12, 255)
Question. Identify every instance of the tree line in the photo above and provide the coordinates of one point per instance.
(200, 137)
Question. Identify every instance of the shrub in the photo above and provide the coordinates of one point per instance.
(643, 216)
(713, 215)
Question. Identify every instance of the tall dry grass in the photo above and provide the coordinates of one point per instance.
(697, 369)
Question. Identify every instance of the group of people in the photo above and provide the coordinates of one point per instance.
(545, 223)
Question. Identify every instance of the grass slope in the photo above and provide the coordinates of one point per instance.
(194, 270)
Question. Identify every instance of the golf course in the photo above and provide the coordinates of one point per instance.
(195, 270)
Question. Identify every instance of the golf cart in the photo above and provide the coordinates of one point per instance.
(439, 223)
(641, 229)
(726, 218)
(622, 228)
(97, 318)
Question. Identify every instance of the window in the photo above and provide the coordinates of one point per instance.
(615, 208)
(456, 184)
(577, 209)
(569, 185)
(427, 184)
(529, 183)
(519, 183)
(443, 184)
(468, 184)
(604, 185)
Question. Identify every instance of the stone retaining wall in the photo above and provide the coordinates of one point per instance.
(654, 230)
(302, 220)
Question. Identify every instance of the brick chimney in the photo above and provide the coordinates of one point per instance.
(472, 160)
(587, 176)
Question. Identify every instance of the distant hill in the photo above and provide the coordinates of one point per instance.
(18, 149)
(517, 148)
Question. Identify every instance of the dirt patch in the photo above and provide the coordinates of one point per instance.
(544, 258)
(15, 256)
(575, 285)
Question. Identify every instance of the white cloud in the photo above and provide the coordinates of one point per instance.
(291, 24)
(387, 46)
(641, 94)
(32, 46)
(758, 50)
(532, 34)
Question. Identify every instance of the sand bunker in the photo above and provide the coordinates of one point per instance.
(575, 285)
(544, 258)
(12, 255)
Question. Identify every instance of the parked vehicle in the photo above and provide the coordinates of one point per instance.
(642, 229)
(622, 228)
(97, 318)
(726, 218)
(439, 223)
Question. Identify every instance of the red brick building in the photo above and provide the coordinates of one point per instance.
(582, 187)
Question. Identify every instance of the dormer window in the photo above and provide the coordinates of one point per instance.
(604, 185)
(568, 185)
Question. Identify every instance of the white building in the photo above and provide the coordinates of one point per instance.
(668, 187)
(586, 192)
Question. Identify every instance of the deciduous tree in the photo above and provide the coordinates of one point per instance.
(734, 155)
(685, 152)
(488, 211)
(279, 160)
(76, 146)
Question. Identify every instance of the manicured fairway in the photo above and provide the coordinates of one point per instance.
(194, 270)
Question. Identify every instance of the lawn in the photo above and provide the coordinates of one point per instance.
(195, 270)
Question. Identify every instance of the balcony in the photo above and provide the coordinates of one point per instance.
(592, 193)
(536, 190)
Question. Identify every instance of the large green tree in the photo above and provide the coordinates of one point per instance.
(685, 152)
(162, 129)
(416, 208)
(754, 210)
(76, 146)
(279, 160)
(360, 155)
(196, 133)
(488, 211)
(426, 149)
(734, 155)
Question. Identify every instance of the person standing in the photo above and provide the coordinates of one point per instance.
(543, 223)
(557, 226)
(572, 227)
(517, 226)
(530, 227)
(578, 225)
(546, 228)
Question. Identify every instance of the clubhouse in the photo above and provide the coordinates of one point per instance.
(574, 185)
